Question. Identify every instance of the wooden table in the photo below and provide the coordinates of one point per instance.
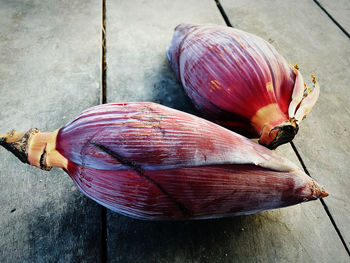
(51, 68)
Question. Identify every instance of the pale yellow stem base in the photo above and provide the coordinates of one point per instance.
(42, 151)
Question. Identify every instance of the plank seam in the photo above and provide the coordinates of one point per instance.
(322, 201)
(104, 51)
(332, 18)
(103, 234)
(223, 13)
(103, 101)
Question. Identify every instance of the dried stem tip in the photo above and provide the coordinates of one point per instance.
(17, 142)
(34, 147)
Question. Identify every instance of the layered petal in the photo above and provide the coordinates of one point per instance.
(196, 192)
(148, 161)
(226, 70)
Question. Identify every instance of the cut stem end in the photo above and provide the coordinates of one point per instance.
(272, 137)
(35, 148)
(17, 142)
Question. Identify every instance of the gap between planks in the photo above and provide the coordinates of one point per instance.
(223, 13)
(103, 101)
(104, 59)
(322, 202)
(228, 23)
(332, 18)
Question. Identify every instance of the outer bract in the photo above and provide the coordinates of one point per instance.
(151, 162)
(239, 80)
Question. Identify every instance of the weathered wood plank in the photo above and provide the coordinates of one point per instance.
(50, 56)
(138, 34)
(339, 10)
(308, 37)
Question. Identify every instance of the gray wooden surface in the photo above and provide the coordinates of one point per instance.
(339, 10)
(50, 70)
(50, 67)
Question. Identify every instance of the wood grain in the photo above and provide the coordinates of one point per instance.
(50, 70)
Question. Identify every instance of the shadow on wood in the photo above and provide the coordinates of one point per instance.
(54, 233)
(178, 241)
(168, 91)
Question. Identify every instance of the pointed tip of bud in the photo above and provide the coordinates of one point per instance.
(321, 193)
(324, 194)
(318, 191)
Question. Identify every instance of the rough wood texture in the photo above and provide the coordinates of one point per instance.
(50, 59)
(50, 70)
(315, 43)
(339, 10)
(138, 34)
